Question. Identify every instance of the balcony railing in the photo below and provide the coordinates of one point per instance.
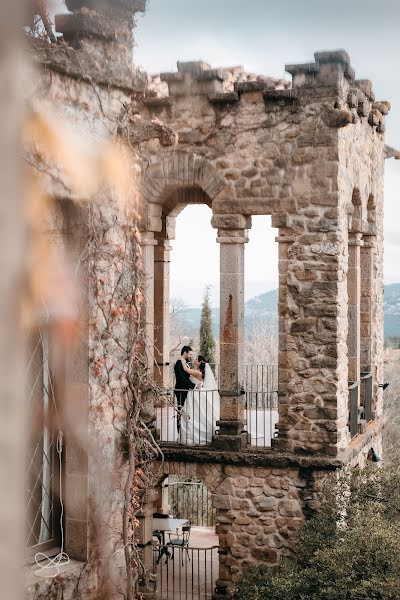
(360, 403)
(192, 419)
(353, 408)
(188, 419)
(366, 396)
(261, 404)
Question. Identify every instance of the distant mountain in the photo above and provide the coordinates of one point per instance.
(391, 306)
(265, 306)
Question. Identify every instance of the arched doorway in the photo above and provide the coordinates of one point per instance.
(186, 554)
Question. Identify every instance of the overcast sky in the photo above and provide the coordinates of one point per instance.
(263, 35)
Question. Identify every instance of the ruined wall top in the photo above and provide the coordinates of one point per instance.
(329, 79)
(229, 77)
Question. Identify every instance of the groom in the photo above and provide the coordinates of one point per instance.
(182, 383)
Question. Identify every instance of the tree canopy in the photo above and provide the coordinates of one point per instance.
(207, 342)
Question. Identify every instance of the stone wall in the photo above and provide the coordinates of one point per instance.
(260, 503)
(297, 154)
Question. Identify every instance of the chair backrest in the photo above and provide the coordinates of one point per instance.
(186, 532)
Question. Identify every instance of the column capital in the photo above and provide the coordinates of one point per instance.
(355, 239)
(232, 239)
(147, 239)
(231, 222)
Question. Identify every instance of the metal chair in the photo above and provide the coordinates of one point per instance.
(160, 536)
(181, 540)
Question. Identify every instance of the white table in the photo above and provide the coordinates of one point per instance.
(162, 525)
(168, 524)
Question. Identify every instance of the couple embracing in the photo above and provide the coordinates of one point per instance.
(197, 397)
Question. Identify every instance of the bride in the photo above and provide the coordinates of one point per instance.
(201, 409)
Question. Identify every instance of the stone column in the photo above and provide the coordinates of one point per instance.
(232, 235)
(148, 244)
(366, 252)
(146, 587)
(162, 259)
(161, 504)
(354, 293)
(284, 244)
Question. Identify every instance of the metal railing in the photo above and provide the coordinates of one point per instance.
(353, 407)
(261, 404)
(42, 504)
(191, 500)
(185, 573)
(188, 417)
(261, 413)
(366, 396)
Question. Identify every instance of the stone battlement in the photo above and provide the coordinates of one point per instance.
(229, 77)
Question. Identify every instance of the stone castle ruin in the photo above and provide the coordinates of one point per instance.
(309, 153)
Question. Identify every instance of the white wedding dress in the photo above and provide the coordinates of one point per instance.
(200, 411)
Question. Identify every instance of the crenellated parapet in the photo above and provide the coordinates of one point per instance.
(332, 70)
(220, 85)
(329, 80)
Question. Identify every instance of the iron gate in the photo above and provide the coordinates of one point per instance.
(191, 500)
(185, 573)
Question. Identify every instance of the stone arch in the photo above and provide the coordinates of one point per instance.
(212, 475)
(179, 178)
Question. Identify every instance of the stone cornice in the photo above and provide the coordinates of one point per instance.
(261, 458)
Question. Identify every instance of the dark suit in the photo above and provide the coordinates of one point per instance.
(182, 386)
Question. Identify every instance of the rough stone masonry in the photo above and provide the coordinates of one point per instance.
(310, 153)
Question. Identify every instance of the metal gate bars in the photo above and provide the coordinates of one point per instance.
(185, 573)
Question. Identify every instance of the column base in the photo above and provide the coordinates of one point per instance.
(230, 427)
(230, 441)
(147, 586)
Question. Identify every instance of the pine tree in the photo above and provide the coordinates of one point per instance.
(207, 342)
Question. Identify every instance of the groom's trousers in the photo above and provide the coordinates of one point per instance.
(181, 396)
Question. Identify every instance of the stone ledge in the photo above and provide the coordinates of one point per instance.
(361, 440)
(249, 86)
(155, 102)
(261, 458)
(65, 585)
(172, 77)
(288, 95)
(224, 98)
(310, 67)
(84, 25)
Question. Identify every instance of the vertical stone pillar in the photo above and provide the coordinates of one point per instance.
(284, 244)
(353, 311)
(366, 252)
(148, 244)
(232, 235)
(145, 544)
(162, 259)
(161, 501)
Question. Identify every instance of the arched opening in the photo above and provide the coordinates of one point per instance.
(188, 416)
(261, 331)
(353, 312)
(186, 562)
(174, 190)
